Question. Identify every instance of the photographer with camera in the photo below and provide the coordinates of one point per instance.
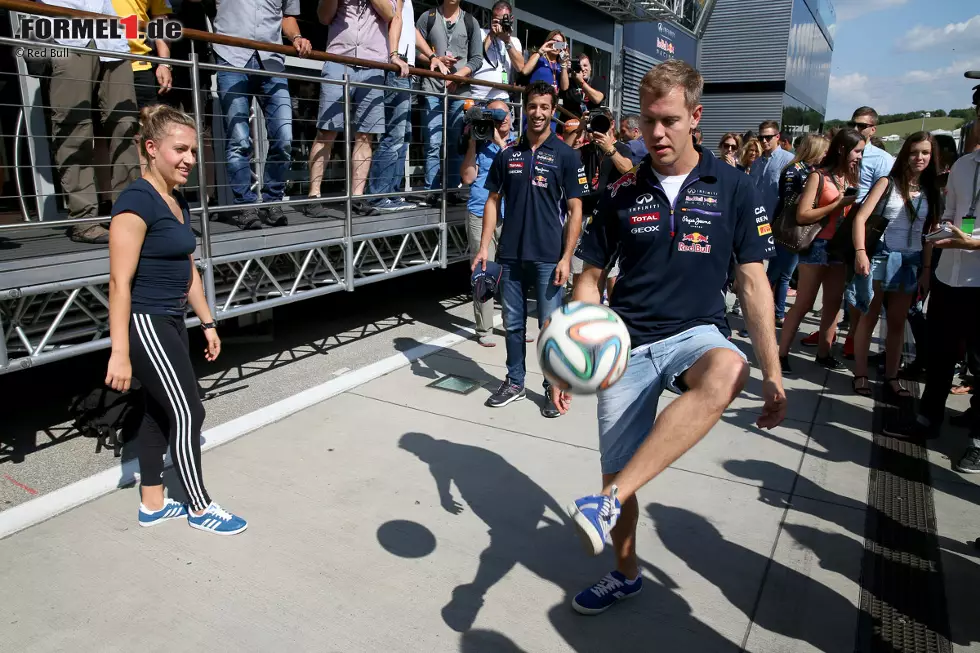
(550, 63)
(503, 54)
(485, 142)
(581, 98)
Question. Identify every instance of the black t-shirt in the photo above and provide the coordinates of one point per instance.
(599, 170)
(577, 100)
(533, 184)
(163, 274)
(674, 261)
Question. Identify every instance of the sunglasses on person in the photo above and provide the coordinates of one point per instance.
(729, 146)
(860, 126)
(767, 137)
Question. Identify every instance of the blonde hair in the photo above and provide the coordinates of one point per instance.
(156, 121)
(751, 144)
(665, 77)
(812, 150)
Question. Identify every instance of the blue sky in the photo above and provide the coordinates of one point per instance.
(903, 55)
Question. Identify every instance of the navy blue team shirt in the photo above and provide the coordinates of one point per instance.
(534, 182)
(163, 274)
(674, 261)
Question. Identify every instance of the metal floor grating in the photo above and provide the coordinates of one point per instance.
(903, 598)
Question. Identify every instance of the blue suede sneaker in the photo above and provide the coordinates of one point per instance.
(217, 521)
(595, 516)
(600, 597)
(171, 510)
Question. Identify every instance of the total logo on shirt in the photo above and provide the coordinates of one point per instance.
(696, 243)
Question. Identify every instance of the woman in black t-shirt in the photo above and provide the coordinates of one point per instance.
(152, 278)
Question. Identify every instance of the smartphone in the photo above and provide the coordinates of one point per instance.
(560, 46)
(942, 232)
(851, 191)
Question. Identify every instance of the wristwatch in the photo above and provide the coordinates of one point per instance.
(209, 325)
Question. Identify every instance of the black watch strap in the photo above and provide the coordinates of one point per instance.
(209, 325)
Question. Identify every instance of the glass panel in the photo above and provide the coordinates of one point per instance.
(808, 59)
(799, 119)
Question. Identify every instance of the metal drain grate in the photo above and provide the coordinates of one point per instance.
(903, 600)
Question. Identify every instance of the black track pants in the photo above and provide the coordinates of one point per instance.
(161, 361)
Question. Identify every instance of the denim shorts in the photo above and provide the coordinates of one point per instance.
(896, 271)
(367, 105)
(817, 254)
(628, 409)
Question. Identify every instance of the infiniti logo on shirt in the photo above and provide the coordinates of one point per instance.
(646, 198)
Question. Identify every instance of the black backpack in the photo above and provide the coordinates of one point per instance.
(111, 417)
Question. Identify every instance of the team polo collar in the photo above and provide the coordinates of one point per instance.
(706, 170)
(549, 143)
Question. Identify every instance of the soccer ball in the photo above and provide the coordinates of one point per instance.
(583, 348)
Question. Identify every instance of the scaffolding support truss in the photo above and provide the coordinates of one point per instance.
(640, 10)
(57, 321)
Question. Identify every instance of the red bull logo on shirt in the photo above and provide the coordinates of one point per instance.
(696, 243)
(626, 180)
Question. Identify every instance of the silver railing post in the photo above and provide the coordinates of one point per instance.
(3, 346)
(443, 235)
(202, 186)
(348, 169)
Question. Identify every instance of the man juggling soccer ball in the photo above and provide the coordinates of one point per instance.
(677, 222)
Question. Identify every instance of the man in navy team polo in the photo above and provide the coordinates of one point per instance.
(535, 249)
(677, 223)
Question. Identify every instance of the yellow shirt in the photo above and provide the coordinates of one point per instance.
(140, 7)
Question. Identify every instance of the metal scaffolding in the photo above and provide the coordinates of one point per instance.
(640, 10)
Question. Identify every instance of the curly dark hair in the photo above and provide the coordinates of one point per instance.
(541, 88)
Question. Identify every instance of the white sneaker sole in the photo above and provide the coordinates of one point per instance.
(523, 395)
(594, 611)
(147, 524)
(214, 532)
(586, 532)
(963, 470)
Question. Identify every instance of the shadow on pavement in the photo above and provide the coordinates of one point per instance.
(528, 527)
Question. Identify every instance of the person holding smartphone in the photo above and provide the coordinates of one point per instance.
(898, 265)
(839, 178)
(550, 63)
(954, 312)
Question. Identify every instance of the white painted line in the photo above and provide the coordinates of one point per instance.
(342, 370)
(71, 496)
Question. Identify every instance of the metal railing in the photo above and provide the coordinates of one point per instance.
(58, 313)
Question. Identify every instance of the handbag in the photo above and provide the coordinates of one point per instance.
(841, 246)
(794, 236)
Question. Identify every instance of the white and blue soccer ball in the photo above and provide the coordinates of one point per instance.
(583, 348)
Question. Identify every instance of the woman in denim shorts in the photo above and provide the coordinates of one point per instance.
(840, 172)
(900, 262)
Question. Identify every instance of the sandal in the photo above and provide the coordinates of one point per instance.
(896, 389)
(861, 388)
(962, 390)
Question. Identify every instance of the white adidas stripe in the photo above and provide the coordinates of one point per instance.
(185, 441)
(174, 396)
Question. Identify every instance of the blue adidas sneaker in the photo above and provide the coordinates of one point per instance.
(217, 521)
(600, 597)
(594, 517)
(171, 510)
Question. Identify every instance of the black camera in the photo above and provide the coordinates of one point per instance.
(600, 121)
(507, 23)
(482, 122)
(576, 66)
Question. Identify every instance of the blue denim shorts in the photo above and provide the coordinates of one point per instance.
(817, 254)
(897, 271)
(367, 105)
(628, 409)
